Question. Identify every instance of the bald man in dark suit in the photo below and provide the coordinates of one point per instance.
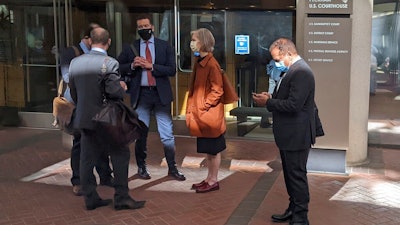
(86, 74)
(103, 165)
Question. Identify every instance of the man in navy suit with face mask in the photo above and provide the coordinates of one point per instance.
(147, 71)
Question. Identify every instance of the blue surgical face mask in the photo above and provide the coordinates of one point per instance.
(281, 66)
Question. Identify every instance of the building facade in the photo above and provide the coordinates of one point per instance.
(32, 34)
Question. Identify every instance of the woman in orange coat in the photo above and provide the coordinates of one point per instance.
(205, 112)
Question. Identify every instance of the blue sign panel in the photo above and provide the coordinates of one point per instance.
(242, 44)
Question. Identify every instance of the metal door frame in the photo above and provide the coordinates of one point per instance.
(60, 8)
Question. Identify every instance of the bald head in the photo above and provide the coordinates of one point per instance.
(100, 38)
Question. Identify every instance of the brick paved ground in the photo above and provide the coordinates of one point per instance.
(252, 187)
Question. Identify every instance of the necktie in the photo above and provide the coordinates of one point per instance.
(150, 79)
(279, 83)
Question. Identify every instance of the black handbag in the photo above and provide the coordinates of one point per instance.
(118, 121)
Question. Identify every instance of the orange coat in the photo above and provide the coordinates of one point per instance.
(204, 111)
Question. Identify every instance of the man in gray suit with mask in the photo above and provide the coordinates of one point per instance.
(86, 73)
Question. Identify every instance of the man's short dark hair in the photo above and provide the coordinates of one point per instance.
(89, 29)
(143, 16)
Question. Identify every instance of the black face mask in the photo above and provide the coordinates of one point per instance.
(145, 34)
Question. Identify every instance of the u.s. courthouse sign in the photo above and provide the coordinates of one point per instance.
(329, 6)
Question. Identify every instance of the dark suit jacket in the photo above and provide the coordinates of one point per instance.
(164, 67)
(292, 107)
(86, 74)
(66, 56)
(68, 53)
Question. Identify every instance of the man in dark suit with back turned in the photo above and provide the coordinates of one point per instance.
(102, 166)
(292, 106)
(86, 73)
(147, 71)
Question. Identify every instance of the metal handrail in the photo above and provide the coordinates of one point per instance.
(37, 65)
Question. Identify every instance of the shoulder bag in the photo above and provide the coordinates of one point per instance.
(62, 110)
(229, 95)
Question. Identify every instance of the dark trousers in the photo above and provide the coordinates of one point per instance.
(294, 164)
(92, 148)
(102, 166)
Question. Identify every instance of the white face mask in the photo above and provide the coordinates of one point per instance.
(193, 46)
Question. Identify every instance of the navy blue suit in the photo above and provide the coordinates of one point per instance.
(156, 100)
(292, 107)
(164, 67)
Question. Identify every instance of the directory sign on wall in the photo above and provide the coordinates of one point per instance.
(328, 42)
(327, 49)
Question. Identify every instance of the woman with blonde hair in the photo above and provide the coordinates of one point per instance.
(205, 112)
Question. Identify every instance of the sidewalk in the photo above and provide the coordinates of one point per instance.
(35, 187)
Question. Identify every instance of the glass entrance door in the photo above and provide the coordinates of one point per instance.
(39, 58)
(29, 42)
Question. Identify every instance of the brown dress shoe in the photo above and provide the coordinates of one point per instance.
(207, 188)
(76, 189)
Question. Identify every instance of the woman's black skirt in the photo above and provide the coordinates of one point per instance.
(211, 146)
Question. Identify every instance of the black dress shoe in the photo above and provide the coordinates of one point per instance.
(97, 203)
(107, 182)
(143, 173)
(176, 174)
(129, 204)
(280, 218)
